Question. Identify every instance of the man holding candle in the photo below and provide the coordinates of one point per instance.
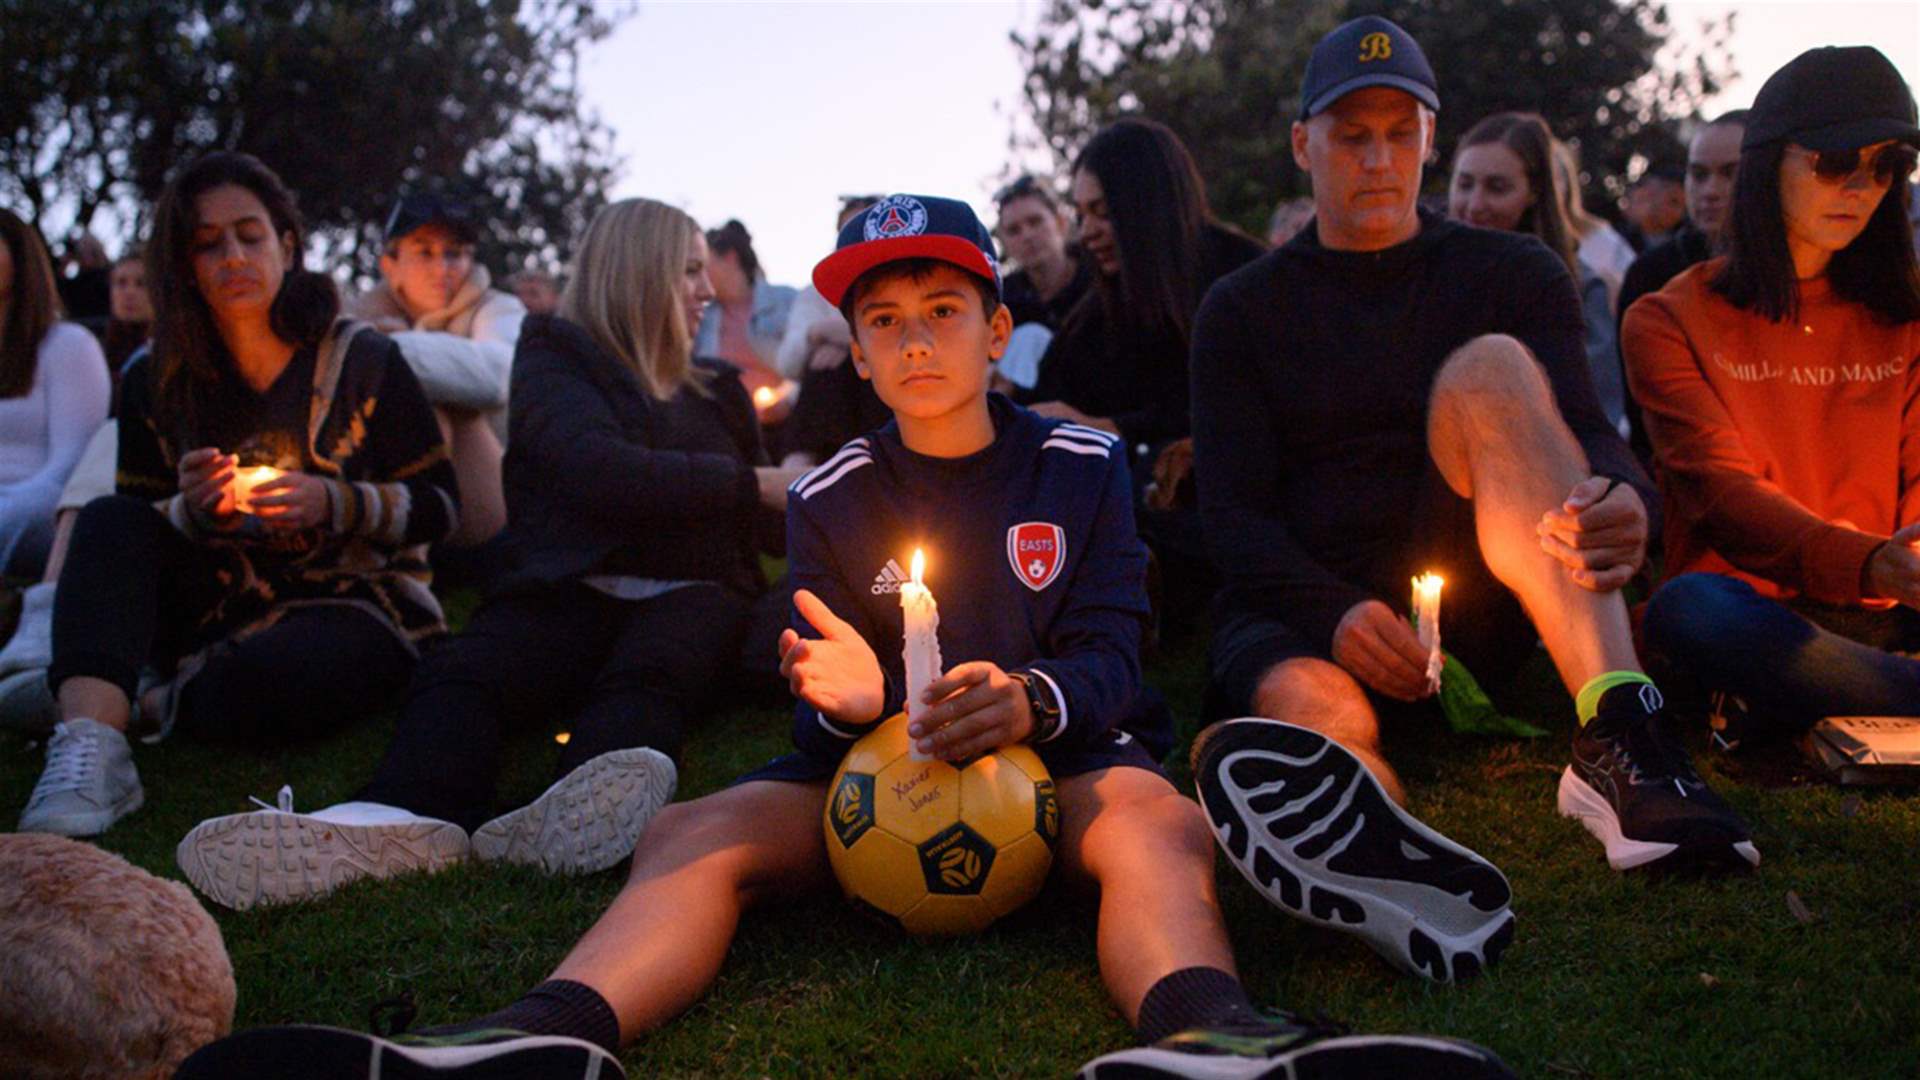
(1391, 393)
(1027, 525)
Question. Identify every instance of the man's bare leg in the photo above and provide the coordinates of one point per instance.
(1320, 695)
(1498, 439)
(699, 865)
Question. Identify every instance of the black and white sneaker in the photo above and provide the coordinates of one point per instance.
(1308, 825)
(1632, 786)
(307, 1052)
(1292, 1051)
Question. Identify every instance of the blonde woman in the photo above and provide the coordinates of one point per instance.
(637, 500)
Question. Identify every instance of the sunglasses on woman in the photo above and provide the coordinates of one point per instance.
(1892, 163)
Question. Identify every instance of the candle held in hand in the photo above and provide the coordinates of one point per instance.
(1426, 623)
(245, 479)
(922, 649)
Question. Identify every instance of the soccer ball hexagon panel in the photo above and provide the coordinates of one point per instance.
(939, 849)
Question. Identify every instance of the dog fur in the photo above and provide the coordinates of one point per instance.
(105, 970)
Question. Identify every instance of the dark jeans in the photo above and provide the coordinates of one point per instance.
(133, 590)
(1717, 633)
(615, 673)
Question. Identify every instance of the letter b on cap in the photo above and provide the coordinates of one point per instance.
(1376, 46)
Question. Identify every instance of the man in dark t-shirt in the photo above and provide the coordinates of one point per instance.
(1391, 393)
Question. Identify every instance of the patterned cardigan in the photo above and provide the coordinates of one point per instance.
(372, 436)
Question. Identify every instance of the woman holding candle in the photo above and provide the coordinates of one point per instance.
(1782, 395)
(281, 622)
(638, 499)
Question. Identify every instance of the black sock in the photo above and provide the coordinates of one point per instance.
(555, 1007)
(1194, 997)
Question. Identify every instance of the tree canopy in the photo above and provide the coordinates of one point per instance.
(1225, 74)
(349, 100)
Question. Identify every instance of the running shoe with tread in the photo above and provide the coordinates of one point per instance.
(588, 820)
(277, 856)
(1309, 827)
(1631, 784)
(312, 1052)
(1291, 1050)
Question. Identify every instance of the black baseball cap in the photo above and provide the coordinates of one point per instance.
(1369, 51)
(413, 210)
(907, 227)
(1833, 98)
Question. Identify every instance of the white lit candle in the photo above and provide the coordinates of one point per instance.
(922, 652)
(245, 479)
(1426, 623)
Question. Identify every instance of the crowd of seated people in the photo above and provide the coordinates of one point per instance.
(225, 492)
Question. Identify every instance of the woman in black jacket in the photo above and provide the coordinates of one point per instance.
(637, 499)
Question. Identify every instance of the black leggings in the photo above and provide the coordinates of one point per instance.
(132, 590)
(616, 673)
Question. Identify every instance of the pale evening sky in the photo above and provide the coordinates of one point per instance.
(767, 111)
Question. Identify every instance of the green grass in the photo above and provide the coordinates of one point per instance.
(1610, 975)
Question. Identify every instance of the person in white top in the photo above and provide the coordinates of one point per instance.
(457, 334)
(54, 393)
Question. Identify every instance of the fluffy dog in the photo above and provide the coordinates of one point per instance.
(105, 970)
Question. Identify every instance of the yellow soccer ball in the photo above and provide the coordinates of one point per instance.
(935, 848)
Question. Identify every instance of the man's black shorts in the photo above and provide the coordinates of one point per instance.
(1114, 749)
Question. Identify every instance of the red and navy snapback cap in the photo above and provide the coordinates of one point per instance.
(907, 227)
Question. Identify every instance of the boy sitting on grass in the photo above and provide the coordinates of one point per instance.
(1054, 660)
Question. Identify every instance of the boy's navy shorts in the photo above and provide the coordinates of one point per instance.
(1116, 748)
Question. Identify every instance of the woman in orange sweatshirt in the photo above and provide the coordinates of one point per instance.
(1782, 393)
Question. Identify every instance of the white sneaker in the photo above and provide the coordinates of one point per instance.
(26, 703)
(275, 856)
(32, 643)
(88, 784)
(588, 820)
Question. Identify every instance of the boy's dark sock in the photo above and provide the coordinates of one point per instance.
(555, 1007)
(1195, 997)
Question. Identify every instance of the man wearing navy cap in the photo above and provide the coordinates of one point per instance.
(1387, 394)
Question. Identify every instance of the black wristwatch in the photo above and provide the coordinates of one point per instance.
(1042, 703)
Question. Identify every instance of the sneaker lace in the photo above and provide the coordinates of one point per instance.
(1649, 754)
(72, 757)
(285, 799)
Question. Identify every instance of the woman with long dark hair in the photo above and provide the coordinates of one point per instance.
(279, 478)
(1119, 362)
(1781, 385)
(53, 396)
(637, 498)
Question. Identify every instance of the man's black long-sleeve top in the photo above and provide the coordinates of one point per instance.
(1312, 370)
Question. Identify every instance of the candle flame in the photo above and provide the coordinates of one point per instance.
(1429, 582)
(563, 738)
(764, 396)
(919, 564)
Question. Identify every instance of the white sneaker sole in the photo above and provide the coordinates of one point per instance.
(268, 857)
(1577, 799)
(1309, 827)
(588, 820)
(1426, 1057)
